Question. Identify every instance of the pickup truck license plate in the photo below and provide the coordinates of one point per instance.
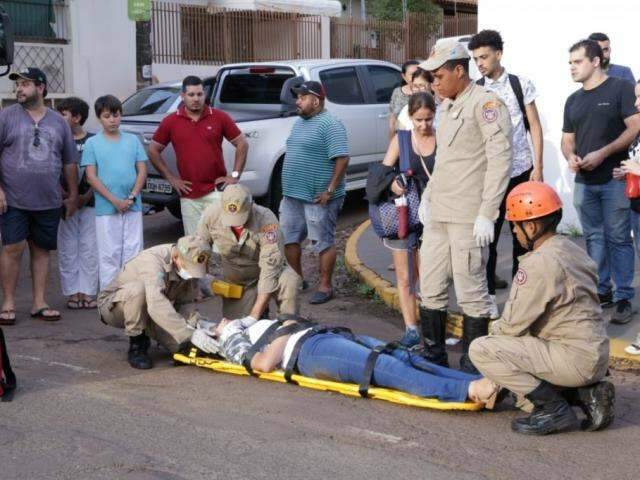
(158, 185)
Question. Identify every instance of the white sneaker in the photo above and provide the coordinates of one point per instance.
(633, 349)
(494, 314)
(204, 342)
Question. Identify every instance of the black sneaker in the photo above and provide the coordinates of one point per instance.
(606, 299)
(550, 418)
(598, 403)
(623, 312)
(137, 355)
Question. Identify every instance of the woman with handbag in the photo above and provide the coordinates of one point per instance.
(404, 172)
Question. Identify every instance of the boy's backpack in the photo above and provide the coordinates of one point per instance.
(514, 81)
(7, 377)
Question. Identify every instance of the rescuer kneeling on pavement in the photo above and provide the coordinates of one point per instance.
(550, 344)
(251, 248)
(151, 294)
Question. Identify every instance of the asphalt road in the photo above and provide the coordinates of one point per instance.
(83, 413)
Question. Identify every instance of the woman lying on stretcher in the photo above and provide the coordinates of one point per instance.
(331, 353)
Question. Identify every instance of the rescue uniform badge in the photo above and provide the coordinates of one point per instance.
(231, 207)
(270, 233)
(521, 277)
(490, 112)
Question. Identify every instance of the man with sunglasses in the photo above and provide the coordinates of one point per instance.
(36, 151)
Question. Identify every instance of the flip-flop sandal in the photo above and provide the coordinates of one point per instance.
(320, 297)
(47, 318)
(74, 304)
(11, 320)
(89, 304)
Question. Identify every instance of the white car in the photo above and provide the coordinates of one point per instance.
(258, 97)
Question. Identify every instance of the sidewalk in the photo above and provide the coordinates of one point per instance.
(368, 259)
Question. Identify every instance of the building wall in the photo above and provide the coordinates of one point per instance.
(103, 54)
(168, 72)
(100, 57)
(537, 37)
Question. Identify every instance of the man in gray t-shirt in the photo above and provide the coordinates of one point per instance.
(36, 152)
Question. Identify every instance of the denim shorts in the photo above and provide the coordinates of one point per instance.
(300, 220)
(402, 244)
(39, 226)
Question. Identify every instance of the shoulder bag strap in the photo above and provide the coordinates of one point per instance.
(404, 144)
(516, 86)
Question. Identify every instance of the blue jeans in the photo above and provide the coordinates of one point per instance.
(333, 357)
(605, 217)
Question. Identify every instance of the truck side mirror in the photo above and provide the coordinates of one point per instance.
(6, 39)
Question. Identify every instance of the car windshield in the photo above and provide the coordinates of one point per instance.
(149, 101)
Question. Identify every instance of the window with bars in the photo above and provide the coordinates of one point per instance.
(38, 20)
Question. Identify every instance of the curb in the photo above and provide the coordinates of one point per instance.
(385, 289)
(389, 294)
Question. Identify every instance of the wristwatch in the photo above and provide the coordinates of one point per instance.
(131, 197)
(235, 174)
(331, 190)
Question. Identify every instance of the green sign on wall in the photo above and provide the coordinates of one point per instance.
(139, 10)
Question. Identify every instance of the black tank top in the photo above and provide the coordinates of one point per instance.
(404, 142)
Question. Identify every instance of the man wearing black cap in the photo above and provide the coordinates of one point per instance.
(36, 150)
(313, 185)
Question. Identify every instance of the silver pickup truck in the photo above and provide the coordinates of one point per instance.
(258, 97)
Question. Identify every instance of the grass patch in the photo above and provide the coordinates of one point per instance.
(571, 230)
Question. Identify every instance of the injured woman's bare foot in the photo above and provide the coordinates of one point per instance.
(483, 391)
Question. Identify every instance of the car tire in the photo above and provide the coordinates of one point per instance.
(274, 195)
(174, 209)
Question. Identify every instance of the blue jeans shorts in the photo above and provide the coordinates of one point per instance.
(300, 220)
(39, 226)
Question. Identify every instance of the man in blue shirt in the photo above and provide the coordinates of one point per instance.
(612, 70)
(313, 185)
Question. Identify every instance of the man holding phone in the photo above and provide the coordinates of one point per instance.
(36, 150)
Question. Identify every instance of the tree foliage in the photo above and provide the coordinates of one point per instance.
(392, 9)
